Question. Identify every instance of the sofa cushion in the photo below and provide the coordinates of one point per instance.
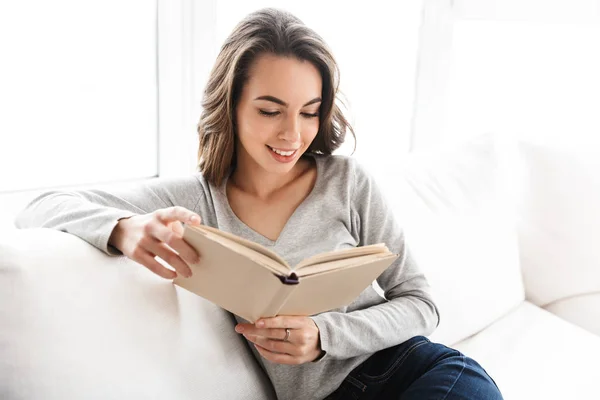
(559, 224)
(532, 354)
(77, 324)
(582, 310)
(457, 212)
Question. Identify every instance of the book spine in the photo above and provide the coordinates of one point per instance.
(279, 299)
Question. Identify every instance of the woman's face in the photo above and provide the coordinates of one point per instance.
(278, 112)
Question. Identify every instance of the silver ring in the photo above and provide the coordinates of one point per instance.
(287, 335)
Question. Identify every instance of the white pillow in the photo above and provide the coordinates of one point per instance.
(457, 211)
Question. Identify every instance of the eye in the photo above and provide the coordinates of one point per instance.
(268, 114)
(308, 115)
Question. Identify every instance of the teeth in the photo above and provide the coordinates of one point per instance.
(283, 153)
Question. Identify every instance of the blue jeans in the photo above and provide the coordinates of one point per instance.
(418, 369)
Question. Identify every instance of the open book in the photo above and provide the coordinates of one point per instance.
(250, 281)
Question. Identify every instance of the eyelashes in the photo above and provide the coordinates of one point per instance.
(268, 114)
(275, 113)
(307, 115)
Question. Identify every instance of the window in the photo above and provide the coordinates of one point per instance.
(79, 92)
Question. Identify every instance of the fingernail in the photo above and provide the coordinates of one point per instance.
(193, 219)
(260, 323)
(239, 329)
(189, 273)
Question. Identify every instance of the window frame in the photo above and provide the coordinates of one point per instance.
(186, 38)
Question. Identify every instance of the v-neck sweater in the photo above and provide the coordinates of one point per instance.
(344, 209)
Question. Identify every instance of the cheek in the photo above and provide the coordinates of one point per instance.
(311, 128)
(255, 127)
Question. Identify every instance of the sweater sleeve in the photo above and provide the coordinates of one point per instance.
(408, 310)
(93, 214)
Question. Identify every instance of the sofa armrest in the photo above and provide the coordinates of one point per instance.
(76, 321)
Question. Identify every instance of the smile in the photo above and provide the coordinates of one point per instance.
(285, 153)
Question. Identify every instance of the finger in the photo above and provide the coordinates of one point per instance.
(176, 227)
(272, 333)
(282, 321)
(185, 250)
(277, 357)
(178, 213)
(253, 330)
(169, 256)
(148, 261)
(166, 235)
(274, 345)
(242, 326)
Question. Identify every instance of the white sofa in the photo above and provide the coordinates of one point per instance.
(505, 266)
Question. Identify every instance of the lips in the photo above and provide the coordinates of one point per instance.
(286, 157)
(283, 152)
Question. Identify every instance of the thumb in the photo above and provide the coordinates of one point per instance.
(177, 213)
(195, 219)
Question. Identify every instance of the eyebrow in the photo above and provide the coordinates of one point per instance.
(283, 103)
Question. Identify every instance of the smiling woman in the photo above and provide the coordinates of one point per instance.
(267, 174)
(291, 72)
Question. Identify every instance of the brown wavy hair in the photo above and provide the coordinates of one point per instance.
(265, 31)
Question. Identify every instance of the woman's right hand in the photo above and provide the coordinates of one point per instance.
(160, 233)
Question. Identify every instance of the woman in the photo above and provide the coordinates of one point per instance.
(269, 126)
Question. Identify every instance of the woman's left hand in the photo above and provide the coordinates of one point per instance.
(269, 337)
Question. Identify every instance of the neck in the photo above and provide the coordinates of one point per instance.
(251, 178)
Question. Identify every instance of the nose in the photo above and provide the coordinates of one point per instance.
(290, 131)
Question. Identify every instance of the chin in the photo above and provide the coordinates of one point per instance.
(281, 168)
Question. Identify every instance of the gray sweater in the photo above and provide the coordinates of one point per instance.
(345, 209)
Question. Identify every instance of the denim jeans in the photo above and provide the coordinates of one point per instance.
(418, 369)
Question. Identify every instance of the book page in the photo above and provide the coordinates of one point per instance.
(334, 265)
(246, 243)
(193, 232)
(337, 288)
(232, 280)
(343, 254)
